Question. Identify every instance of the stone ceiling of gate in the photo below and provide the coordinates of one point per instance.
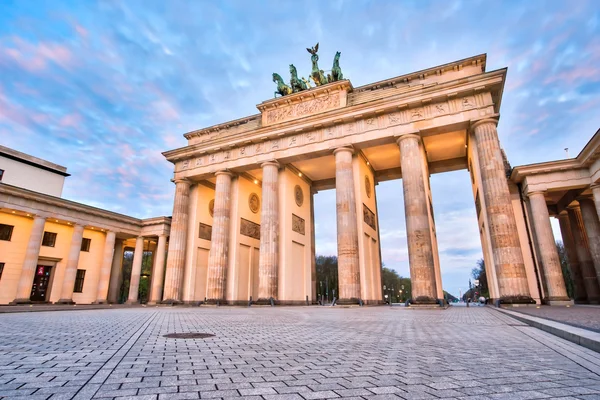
(309, 125)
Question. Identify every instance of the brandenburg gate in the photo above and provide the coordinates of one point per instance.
(243, 215)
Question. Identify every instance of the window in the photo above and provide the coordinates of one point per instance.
(1, 174)
(79, 281)
(6, 232)
(49, 239)
(1, 269)
(85, 244)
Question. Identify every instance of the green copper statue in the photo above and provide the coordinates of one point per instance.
(317, 75)
(282, 88)
(336, 71)
(296, 84)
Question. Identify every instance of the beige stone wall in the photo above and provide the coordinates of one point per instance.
(91, 262)
(294, 248)
(12, 254)
(368, 238)
(29, 177)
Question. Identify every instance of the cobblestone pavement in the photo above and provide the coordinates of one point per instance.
(587, 317)
(289, 353)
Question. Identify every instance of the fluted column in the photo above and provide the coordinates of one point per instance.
(592, 228)
(136, 271)
(596, 193)
(30, 262)
(107, 258)
(549, 258)
(268, 263)
(158, 270)
(115, 272)
(588, 272)
(571, 249)
(418, 230)
(66, 293)
(504, 237)
(347, 230)
(219, 241)
(177, 243)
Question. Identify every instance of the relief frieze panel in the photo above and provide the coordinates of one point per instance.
(298, 224)
(307, 107)
(249, 228)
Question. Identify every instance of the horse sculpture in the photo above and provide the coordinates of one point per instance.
(317, 75)
(336, 71)
(282, 88)
(295, 82)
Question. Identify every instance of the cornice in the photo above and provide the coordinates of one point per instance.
(414, 98)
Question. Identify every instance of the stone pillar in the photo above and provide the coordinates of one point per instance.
(418, 231)
(30, 262)
(551, 268)
(504, 237)
(177, 243)
(66, 293)
(158, 270)
(571, 249)
(136, 270)
(268, 263)
(596, 193)
(313, 255)
(115, 272)
(104, 278)
(592, 228)
(219, 241)
(588, 273)
(347, 230)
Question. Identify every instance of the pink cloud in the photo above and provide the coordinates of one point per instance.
(36, 57)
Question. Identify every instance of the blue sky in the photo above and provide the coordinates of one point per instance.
(104, 87)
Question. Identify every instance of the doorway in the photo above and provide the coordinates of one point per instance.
(41, 283)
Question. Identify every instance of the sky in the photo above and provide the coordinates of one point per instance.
(104, 87)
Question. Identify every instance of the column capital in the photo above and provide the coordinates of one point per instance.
(536, 192)
(414, 135)
(181, 180)
(275, 163)
(595, 186)
(342, 149)
(475, 124)
(584, 198)
(224, 172)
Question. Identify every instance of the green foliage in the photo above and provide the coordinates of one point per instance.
(566, 269)
(327, 276)
(479, 273)
(394, 283)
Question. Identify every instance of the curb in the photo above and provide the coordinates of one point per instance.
(583, 337)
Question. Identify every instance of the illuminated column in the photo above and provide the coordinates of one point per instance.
(504, 237)
(158, 270)
(177, 243)
(569, 243)
(596, 192)
(115, 272)
(136, 270)
(268, 264)
(551, 267)
(66, 294)
(30, 263)
(588, 272)
(219, 244)
(104, 279)
(592, 228)
(347, 230)
(418, 230)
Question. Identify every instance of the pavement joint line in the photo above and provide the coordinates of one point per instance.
(583, 337)
(110, 365)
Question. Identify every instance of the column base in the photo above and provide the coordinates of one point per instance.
(100, 302)
(266, 302)
(509, 300)
(171, 302)
(20, 301)
(424, 300)
(132, 303)
(65, 301)
(559, 302)
(215, 302)
(347, 302)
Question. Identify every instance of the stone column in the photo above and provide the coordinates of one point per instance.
(551, 268)
(347, 230)
(504, 237)
(588, 272)
(592, 228)
(268, 263)
(158, 270)
(571, 249)
(596, 193)
(219, 241)
(418, 232)
(30, 262)
(115, 272)
(177, 243)
(313, 255)
(104, 278)
(136, 270)
(66, 293)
